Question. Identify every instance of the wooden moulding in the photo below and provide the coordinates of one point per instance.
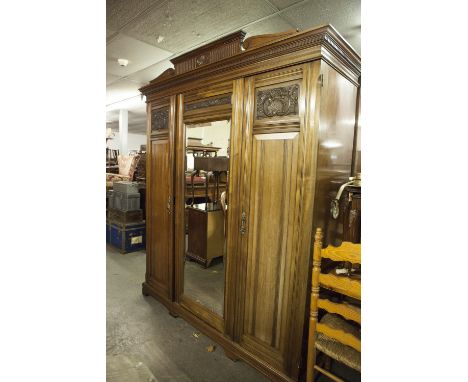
(323, 42)
(207, 54)
(264, 39)
(149, 290)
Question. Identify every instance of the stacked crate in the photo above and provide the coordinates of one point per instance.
(125, 226)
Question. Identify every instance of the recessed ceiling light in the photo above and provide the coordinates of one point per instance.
(122, 61)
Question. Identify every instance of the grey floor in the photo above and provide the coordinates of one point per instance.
(145, 343)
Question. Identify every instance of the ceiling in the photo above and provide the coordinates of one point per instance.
(149, 33)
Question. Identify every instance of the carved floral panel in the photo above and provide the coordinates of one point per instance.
(277, 102)
(223, 100)
(159, 119)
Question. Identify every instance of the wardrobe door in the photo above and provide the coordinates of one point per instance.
(159, 215)
(277, 192)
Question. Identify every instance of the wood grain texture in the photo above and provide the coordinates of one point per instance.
(224, 47)
(349, 312)
(232, 284)
(277, 192)
(206, 235)
(179, 206)
(264, 39)
(159, 273)
(341, 284)
(202, 312)
(160, 250)
(274, 167)
(310, 99)
(345, 252)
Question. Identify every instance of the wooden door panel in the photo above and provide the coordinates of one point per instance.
(160, 213)
(270, 222)
(273, 162)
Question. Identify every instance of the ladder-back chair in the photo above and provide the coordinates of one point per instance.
(334, 335)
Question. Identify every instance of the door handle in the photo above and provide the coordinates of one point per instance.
(169, 204)
(242, 226)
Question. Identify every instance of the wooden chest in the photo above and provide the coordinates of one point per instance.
(205, 234)
(128, 237)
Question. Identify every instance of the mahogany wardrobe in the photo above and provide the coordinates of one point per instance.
(248, 143)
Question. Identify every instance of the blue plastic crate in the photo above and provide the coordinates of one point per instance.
(129, 237)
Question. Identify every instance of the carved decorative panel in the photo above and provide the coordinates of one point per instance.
(159, 119)
(218, 50)
(223, 100)
(277, 102)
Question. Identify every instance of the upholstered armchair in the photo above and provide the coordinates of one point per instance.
(127, 166)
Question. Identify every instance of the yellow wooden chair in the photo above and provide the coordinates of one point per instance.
(334, 335)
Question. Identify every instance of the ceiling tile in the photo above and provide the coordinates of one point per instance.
(344, 15)
(140, 55)
(146, 75)
(186, 23)
(111, 78)
(274, 24)
(281, 4)
(109, 33)
(121, 90)
(121, 12)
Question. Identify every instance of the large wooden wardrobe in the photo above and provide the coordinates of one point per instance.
(291, 101)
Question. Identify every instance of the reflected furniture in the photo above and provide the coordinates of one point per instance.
(334, 334)
(291, 100)
(205, 233)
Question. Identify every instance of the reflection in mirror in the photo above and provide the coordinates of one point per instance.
(206, 190)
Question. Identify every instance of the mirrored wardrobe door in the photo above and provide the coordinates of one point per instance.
(205, 212)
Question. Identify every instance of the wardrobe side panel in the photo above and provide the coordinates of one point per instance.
(335, 147)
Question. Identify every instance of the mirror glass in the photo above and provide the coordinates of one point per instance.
(206, 204)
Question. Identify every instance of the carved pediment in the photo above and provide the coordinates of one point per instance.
(263, 39)
(166, 74)
(226, 55)
(217, 50)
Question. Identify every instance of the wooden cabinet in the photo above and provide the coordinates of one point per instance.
(291, 103)
(205, 240)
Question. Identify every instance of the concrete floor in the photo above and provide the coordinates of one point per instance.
(145, 343)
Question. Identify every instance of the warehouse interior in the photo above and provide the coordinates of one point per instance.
(232, 201)
(144, 341)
